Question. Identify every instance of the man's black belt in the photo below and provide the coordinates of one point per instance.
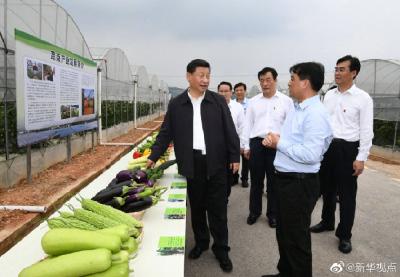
(296, 175)
(339, 140)
(256, 138)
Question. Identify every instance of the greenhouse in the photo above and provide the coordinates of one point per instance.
(143, 90)
(381, 79)
(46, 20)
(117, 87)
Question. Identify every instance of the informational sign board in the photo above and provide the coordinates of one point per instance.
(55, 87)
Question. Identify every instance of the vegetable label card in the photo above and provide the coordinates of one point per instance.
(171, 245)
(179, 185)
(176, 197)
(175, 213)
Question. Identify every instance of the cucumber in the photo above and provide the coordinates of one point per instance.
(79, 263)
(63, 240)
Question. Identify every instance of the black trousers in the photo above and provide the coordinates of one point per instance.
(244, 172)
(208, 199)
(336, 179)
(245, 169)
(296, 198)
(262, 164)
(230, 180)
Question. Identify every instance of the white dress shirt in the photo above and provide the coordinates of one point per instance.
(237, 113)
(244, 103)
(351, 117)
(198, 133)
(264, 115)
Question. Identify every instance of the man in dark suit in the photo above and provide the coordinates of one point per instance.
(200, 125)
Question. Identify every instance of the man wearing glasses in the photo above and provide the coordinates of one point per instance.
(351, 117)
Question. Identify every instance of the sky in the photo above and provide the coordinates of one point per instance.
(239, 38)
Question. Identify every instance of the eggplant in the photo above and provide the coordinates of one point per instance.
(136, 190)
(113, 203)
(138, 206)
(140, 195)
(124, 183)
(140, 176)
(113, 182)
(107, 194)
(124, 175)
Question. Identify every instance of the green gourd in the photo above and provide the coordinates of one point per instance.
(79, 263)
(66, 240)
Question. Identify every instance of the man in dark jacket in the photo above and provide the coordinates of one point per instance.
(200, 125)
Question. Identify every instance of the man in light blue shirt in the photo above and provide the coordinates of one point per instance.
(305, 137)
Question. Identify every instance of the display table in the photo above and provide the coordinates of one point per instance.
(148, 261)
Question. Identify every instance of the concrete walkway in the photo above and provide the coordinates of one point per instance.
(376, 236)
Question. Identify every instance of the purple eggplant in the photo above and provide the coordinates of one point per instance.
(138, 206)
(124, 183)
(135, 191)
(107, 194)
(140, 176)
(124, 175)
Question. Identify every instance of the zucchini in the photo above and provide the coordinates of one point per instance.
(62, 241)
(79, 263)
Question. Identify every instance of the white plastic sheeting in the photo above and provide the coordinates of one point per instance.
(44, 19)
(116, 75)
(381, 79)
(143, 82)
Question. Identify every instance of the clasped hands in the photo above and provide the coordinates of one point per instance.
(271, 140)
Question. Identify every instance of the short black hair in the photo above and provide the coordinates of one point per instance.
(265, 70)
(225, 83)
(312, 71)
(240, 85)
(191, 67)
(354, 63)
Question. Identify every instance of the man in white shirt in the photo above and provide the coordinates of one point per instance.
(240, 91)
(265, 113)
(351, 116)
(237, 113)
